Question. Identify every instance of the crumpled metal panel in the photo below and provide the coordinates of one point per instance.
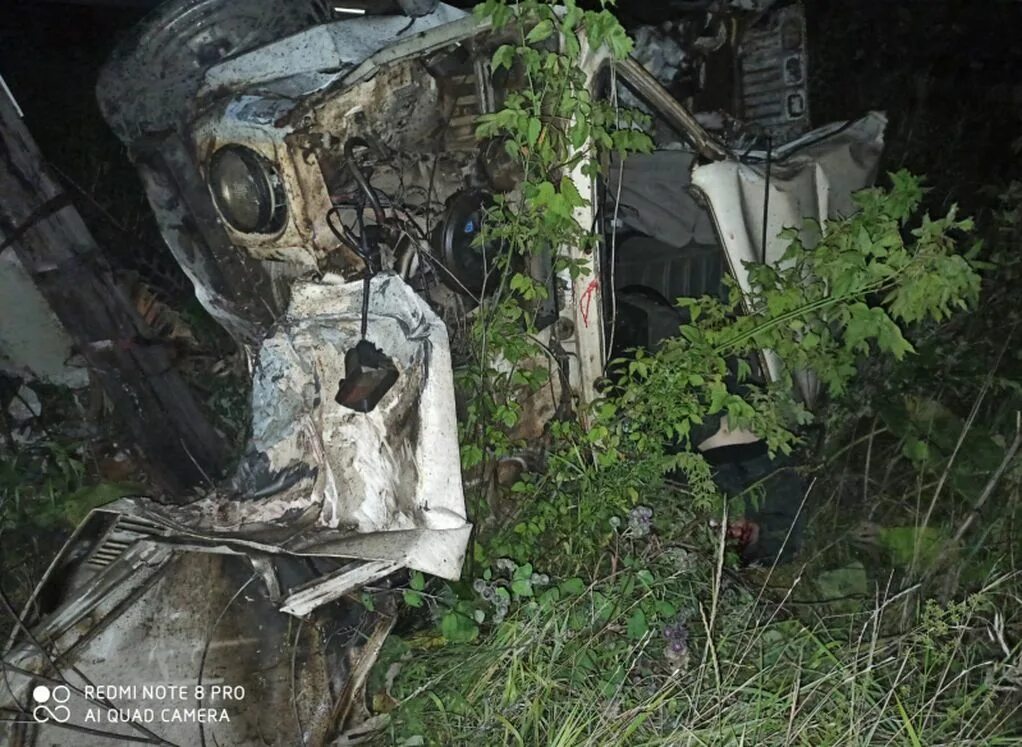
(320, 479)
(814, 176)
(218, 631)
(151, 79)
(217, 583)
(319, 56)
(396, 467)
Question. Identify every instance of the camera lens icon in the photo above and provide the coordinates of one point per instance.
(50, 704)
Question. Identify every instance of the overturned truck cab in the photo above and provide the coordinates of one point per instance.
(320, 181)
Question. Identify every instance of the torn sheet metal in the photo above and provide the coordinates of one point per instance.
(229, 667)
(813, 177)
(321, 479)
(319, 56)
(326, 502)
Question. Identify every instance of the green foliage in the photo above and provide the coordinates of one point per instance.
(846, 296)
(847, 293)
(44, 486)
(413, 594)
(931, 434)
(645, 631)
(551, 128)
(47, 487)
(647, 657)
(844, 290)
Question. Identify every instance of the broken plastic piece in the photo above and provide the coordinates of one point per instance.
(369, 374)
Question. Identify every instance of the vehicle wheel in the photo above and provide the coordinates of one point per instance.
(149, 83)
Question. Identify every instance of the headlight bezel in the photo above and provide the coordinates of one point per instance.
(256, 207)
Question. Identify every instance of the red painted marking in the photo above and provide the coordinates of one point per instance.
(587, 299)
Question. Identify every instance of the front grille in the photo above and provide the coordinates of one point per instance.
(123, 534)
(773, 75)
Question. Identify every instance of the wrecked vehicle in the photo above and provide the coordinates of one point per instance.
(321, 183)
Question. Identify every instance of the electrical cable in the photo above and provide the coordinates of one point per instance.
(766, 201)
(360, 177)
(343, 234)
(786, 151)
(368, 276)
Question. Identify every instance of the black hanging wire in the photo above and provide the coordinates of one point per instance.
(368, 274)
(360, 243)
(766, 200)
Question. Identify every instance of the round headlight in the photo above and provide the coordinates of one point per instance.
(247, 190)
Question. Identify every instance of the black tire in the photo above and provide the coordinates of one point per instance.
(149, 83)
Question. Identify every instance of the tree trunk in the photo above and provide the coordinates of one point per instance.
(167, 425)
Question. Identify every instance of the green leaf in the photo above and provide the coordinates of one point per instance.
(524, 571)
(573, 587)
(533, 131)
(458, 628)
(637, 625)
(665, 609)
(915, 450)
(521, 587)
(571, 194)
(842, 587)
(927, 545)
(79, 503)
(718, 397)
(503, 57)
(413, 598)
(541, 31)
(620, 43)
(549, 598)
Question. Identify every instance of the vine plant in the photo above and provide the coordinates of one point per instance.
(549, 126)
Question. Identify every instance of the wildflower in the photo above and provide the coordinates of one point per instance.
(640, 521)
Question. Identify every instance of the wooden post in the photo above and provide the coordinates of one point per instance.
(166, 424)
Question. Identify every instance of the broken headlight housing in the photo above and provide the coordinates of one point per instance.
(247, 190)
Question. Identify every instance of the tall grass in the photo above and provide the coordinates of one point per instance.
(756, 676)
